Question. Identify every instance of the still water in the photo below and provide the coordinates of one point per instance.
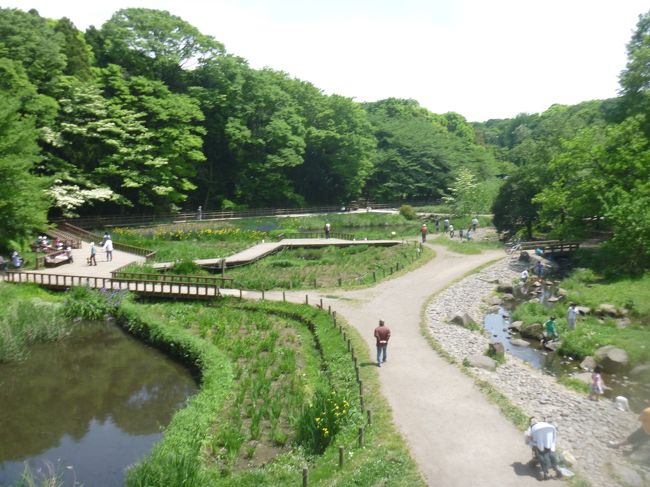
(87, 407)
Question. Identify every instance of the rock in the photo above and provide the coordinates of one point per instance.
(552, 345)
(507, 297)
(589, 363)
(493, 300)
(463, 320)
(534, 330)
(505, 288)
(518, 342)
(583, 310)
(607, 310)
(554, 299)
(516, 325)
(524, 256)
(534, 300)
(612, 359)
(623, 322)
(568, 458)
(627, 475)
(496, 349)
(640, 370)
(561, 292)
(482, 362)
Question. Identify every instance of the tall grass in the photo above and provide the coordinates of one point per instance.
(28, 315)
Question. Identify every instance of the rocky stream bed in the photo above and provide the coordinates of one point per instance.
(584, 426)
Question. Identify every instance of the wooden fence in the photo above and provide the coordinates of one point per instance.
(132, 249)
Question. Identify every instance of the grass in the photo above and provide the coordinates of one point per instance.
(28, 315)
(327, 267)
(465, 247)
(262, 362)
(574, 384)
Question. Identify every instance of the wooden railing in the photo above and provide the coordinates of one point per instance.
(168, 278)
(150, 287)
(132, 249)
(342, 236)
(550, 246)
(65, 237)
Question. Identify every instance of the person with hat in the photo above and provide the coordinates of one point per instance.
(93, 254)
(424, 230)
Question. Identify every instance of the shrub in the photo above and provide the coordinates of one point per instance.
(92, 304)
(407, 212)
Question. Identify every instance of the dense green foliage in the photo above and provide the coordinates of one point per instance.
(147, 112)
(584, 169)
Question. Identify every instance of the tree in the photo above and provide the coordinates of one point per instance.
(153, 43)
(635, 78)
(23, 203)
(514, 208)
(28, 38)
(79, 55)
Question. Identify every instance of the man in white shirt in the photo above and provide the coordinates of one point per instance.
(541, 436)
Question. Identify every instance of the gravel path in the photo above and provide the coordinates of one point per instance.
(584, 426)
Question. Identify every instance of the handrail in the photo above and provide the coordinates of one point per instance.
(342, 236)
(173, 278)
(132, 249)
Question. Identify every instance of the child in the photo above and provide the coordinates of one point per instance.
(596, 384)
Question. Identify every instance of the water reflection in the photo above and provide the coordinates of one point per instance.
(96, 401)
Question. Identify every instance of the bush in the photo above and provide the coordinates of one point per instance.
(407, 212)
(322, 420)
(92, 304)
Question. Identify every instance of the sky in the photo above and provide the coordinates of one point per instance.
(480, 58)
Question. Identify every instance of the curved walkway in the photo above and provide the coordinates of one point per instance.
(456, 436)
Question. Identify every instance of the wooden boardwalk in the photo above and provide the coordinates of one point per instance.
(101, 276)
(261, 250)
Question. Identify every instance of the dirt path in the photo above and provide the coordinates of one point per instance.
(455, 435)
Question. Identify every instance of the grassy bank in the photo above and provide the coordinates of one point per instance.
(629, 295)
(465, 247)
(260, 363)
(28, 315)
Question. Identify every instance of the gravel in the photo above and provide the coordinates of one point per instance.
(584, 426)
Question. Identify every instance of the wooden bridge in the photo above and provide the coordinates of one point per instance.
(550, 247)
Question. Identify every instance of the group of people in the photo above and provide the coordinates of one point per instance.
(107, 246)
(448, 228)
(550, 327)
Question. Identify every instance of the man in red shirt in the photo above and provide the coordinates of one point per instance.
(382, 334)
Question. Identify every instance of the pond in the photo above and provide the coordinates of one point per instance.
(87, 407)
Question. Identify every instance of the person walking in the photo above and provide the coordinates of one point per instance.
(542, 437)
(108, 247)
(445, 225)
(93, 254)
(451, 231)
(437, 222)
(424, 230)
(328, 230)
(571, 316)
(474, 223)
(199, 213)
(597, 385)
(382, 335)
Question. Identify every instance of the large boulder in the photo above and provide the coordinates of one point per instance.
(641, 370)
(518, 342)
(612, 359)
(583, 310)
(482, 362)
(496, 349)
(607, 310)
(524, 256)
(589, 363)
(535, 330)
(516, 325)
(463, 320)
(552, 345)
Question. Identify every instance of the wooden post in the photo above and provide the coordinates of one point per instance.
(223, 268)
(305, 477)
(284, 297)
(341, 456)
(306, 299)
(356, 369)
(240, 294)
(329, 309)
(369, 416)
(340, 282)
(349, 344)
(360, 387)
(321, 303)
(262, 294)
(374, 276)
(360, 438)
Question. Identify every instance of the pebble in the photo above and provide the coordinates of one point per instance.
(584, 426)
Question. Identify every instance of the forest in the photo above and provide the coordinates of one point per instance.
(145, 113)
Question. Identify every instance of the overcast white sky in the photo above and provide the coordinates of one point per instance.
(481, 58)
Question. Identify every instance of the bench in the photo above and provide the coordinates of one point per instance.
(57, 258)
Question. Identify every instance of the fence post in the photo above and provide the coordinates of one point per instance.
(240, 294)
(341, 456)
(262, 294)
(374, 276)
(305, 477)
(284, 297)
(340, 282)
(369, 417)
(321, 303)
(361, 442)
(306, 299)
